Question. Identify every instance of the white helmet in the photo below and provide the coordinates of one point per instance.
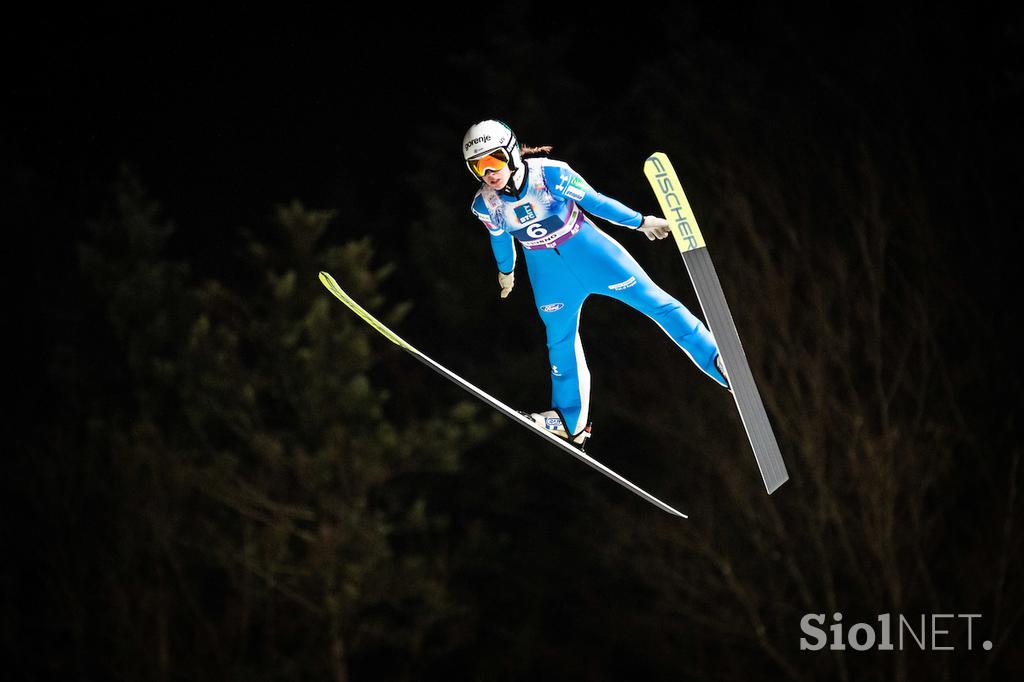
(493, 139)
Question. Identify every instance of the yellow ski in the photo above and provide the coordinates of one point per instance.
(693, 249)
(509, 412)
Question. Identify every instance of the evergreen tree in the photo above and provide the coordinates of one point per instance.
(265, 512)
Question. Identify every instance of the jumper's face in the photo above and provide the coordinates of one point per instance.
(496, 179)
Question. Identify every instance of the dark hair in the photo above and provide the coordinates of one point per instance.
(527, 152)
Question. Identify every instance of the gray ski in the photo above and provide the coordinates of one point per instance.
(509, 412)
(692, 248)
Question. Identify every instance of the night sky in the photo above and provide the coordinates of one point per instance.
(223, 118)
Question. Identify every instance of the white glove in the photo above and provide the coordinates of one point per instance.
(655, 227)
(506, 282)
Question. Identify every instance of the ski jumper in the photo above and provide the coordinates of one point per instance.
(569, 258)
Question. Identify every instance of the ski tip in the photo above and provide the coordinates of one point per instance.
(331, 284)
(654, 158)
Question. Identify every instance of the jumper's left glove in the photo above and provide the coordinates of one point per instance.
(655, 227)
(506, 280)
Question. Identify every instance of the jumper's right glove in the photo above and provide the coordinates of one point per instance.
(506, 281)
(655, 227)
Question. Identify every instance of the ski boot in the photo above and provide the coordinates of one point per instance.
(550, 421)
(720, 366)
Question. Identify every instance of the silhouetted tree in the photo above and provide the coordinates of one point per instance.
(265, 513)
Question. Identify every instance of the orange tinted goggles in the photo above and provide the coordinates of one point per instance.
(493, 161)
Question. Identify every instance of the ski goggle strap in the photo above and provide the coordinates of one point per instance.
(493, 160)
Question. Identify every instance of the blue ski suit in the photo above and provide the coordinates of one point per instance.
(569, 258)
